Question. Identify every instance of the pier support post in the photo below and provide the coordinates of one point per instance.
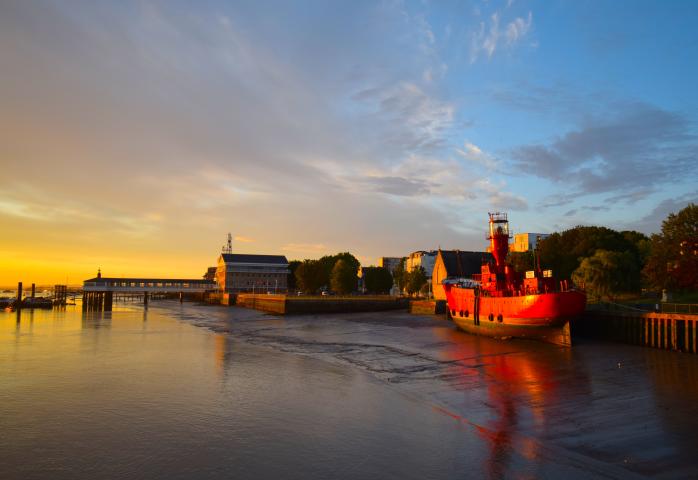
(19, 295)
(108, 300)
(181, 297)
(145, 299)
(33, 290)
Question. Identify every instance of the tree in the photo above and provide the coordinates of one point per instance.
(415, 280)
(607, 273)
(309, 276)
(328, 262)
(292, 266)
(563, 252)
(377, 279)
(521, 261)
(343, 277)
(399, 275)
(673, 258)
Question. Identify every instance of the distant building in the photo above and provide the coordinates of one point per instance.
(210, 274)
(237, 272)
(391, 263)
(451, 264)
(422, 259)
(526, 242)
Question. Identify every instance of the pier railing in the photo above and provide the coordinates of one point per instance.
(688, 308)
(659, 307)
(668, 331)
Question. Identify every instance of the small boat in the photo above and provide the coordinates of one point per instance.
(503, 303)
(6, 302)
(37, 302)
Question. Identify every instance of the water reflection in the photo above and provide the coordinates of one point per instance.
(223, 352)
(92, 392)
(675, 378)
(521, 391)
(94, 319)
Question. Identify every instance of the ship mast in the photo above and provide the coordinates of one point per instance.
(499, 238)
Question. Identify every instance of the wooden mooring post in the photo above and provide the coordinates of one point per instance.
(667, 331)
(19, 295)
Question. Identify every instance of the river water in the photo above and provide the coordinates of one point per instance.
(191, 391)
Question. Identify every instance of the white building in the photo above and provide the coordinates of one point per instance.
(526, 242)
(423, 259)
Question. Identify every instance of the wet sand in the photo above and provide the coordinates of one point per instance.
(608, 409)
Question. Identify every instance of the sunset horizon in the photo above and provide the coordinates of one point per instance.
(135, 136)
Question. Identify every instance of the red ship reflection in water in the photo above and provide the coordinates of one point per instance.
(500, 303)
(506, 398)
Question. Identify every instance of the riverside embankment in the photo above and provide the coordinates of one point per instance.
(306, 304)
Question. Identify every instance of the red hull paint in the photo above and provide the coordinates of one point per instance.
(545, 309)
(543, 316)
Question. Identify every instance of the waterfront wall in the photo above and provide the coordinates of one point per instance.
(285, 305)
(668, 331)
(428, 307)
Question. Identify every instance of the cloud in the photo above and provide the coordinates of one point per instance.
(473, 153)
(640, 145)
(28, 204)
(395, 185)
(240, 238)
(498, 197)
(304, 247)
(412, 121)
(652, 222)
(632, 196)
(517, 29)
(559, 99)
(488, 37)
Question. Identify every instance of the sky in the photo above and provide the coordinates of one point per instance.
(135, 135)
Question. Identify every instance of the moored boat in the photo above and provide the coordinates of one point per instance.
(37, 302)
(6, 302)
(501, 302)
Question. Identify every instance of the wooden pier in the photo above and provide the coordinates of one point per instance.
(668, 331)
(99, 293)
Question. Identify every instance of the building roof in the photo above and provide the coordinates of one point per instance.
(245, 258)
(155, 280)
(463, 264)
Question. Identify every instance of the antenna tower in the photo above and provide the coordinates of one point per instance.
(228, 247)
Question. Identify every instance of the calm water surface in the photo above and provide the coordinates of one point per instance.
(186, 391)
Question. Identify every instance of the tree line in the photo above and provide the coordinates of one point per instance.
(603, 261)
(607, 262)
(331, 272)
(338, 273)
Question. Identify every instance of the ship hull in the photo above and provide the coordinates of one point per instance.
(543, 317)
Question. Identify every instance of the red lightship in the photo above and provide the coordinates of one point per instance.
(501, 302)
